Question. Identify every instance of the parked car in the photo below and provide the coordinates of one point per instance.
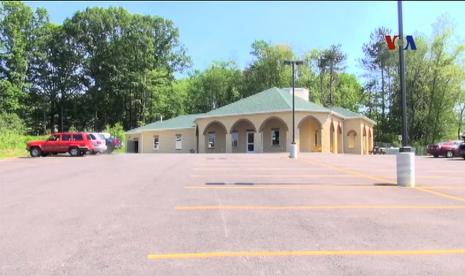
(99, 142)
(447, 149)
(75, 143)
(462, 148)
(112, 143)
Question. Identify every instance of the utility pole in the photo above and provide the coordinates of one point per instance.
(403, 93)
(405, 158)
(293, 63)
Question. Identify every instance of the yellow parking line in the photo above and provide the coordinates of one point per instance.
(292, 186)
(440, 194)
(443, 187)
(285, 186)
(254, 168)
(310, 207)
(356, 173)
(273, 176)
(350, 172)
(203, 255)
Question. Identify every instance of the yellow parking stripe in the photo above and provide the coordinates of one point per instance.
(273, 176)
(441, 194)
(310, 207)
(285, 186)
(205, 255)
(350, 172)
(362, 175)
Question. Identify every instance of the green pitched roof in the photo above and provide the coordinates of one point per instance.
(344, 112)
(348, 114)
(180, 122)
(270, 100)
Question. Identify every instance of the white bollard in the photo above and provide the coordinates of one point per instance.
(293, 152)
(406, 169)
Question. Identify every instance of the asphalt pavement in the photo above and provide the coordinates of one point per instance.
(230, 214)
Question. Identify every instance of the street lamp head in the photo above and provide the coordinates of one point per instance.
(296, 62)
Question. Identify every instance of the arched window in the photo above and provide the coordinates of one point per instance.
(351, 143)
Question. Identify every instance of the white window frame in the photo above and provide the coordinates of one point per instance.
(211, 135)
(156, 145)
(178, 141)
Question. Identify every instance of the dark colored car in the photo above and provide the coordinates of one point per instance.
(447, 149)
(75, 143)
(462, 148)
(111, 142)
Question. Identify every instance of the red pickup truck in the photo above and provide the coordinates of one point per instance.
(75, 143)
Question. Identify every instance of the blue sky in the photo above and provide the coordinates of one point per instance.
(225, 30)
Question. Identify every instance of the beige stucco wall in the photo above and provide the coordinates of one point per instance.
(259, 122)
(263, 140)
(167, 139)
(364, 144)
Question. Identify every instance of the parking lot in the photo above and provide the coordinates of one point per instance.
(236, 214)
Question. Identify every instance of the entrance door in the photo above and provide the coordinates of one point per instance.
(250, 141)
(136, 146)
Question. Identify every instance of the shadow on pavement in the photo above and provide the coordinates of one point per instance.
(385, 184)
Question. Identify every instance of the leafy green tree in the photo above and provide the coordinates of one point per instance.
(333, 59)
(18, 26)
(434, 81)
(268, 68)
(348, 93)
(122, 54)
(54, 75)
(217, 86)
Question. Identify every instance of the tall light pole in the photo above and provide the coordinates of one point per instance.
(406, 158)
(293, 150)
(403, 93)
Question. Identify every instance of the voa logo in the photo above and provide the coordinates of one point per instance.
(390, 42)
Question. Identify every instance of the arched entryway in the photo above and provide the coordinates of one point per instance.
(365, 141)
(339, 139)
(274, 132)
(370, 141)
(310, 134)
(332, 138)
(243, 136)
(215, 137)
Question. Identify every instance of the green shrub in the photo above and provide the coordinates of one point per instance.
(117, 130)
(12, 138)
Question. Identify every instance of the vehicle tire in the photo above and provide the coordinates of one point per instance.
(74, 152)
(435, 155)
(35, 152)
(82, 153)
(449, 154)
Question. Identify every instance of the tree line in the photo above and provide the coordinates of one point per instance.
(105, 66)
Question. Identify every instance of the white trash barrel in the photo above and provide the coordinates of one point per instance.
(406, 169)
